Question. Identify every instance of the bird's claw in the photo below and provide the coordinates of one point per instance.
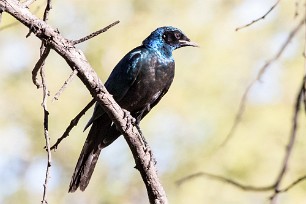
(129, 118)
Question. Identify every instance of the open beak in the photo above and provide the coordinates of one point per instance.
(187, 42)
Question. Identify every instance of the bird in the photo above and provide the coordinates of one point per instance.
(138, 82)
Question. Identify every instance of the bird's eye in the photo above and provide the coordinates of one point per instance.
(177, 35)
(164, 36)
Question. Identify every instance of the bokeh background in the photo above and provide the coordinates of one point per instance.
(185, 129)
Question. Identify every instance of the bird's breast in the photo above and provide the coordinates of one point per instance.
(154, 76)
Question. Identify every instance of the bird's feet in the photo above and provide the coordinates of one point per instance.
(141, 135)
(132, 121)
(129, 118)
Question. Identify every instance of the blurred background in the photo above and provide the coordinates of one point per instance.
(185, 129)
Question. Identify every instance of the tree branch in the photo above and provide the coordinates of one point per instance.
(38, 66)
(294, 183)
(73, 123)
(94, 34)
(76, 60)
(260, 18)
(46, 133)
(261, 72)
(43, 48)
(290, 144)
(226, 180)
(71, 76)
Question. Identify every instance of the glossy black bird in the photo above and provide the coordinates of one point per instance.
(137, 83)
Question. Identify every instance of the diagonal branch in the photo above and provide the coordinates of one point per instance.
(77, 61)
(294, 183)
(71, 76)
(261, 72)
(73, 123)
(258, 19)
(290, 144)
(94, 34)
(226, 180)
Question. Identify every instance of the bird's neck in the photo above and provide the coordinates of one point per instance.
(163, 53)
(161, 48)
(166, 53)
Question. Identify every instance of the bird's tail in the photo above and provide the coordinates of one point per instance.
(101, 134)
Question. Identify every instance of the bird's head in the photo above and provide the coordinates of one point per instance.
(166, 39)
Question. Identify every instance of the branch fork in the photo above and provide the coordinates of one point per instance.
(77, 61)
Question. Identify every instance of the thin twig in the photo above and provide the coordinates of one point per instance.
(47, 10)
(239, 185)
(73, 123)
(72, 75)
(289, 147)
(76, 59)
(226, 180)
(45, 50)
(261, 72)
(294, 183)
(40, 63)
(290, 144)
(95, 33)
(47, 138)
(258, 19)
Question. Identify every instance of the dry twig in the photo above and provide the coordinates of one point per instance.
(290, 144)
(261, 72)
(76, 59)
(43, 48)
(94, 34)
(258, 19)
(73, 123)
(276, 187)
(238, 184)
(294, 183)
(72, 75)
(40, 63)
(226, 180)
(46, 134)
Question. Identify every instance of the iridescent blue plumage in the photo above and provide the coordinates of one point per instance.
(138, 82)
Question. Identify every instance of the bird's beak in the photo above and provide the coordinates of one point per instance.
(187, 42)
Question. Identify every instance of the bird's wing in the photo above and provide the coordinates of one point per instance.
(146, 110)
(124, 74)
(120, 80)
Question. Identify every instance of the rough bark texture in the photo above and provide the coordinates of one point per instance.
(77, 61)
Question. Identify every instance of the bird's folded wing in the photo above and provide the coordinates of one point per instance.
(121, 79)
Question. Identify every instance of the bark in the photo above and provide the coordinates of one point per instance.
(77, 61)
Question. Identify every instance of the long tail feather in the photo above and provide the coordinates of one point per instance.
(97, 139)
